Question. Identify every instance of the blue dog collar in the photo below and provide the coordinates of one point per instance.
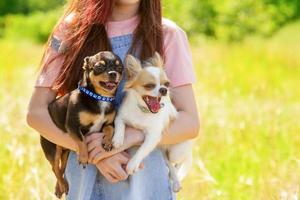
(94, 95)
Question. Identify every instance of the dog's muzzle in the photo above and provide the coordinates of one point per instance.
(112, 75)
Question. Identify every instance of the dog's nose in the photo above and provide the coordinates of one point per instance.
(112, 75)
(163, 91)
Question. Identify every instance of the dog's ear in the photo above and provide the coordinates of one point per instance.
(156, 61)
(132, 67)
(86, 67)
(86, 63)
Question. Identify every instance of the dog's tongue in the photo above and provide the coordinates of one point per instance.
(153, 104)
(110, 84)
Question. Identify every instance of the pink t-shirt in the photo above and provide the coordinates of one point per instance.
(178, 60)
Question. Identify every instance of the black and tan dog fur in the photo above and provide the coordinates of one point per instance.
(78, 114)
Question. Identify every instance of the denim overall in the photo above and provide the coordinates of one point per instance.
(150, 183)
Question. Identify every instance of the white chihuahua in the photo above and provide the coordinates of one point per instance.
(147, 106)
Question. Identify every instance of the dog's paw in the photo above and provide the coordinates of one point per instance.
(65, 187)
(132, 166)
(107, 140)
(176, 186)
(107, 146)
(117, 142)
(61, 188)
(58, 192)
(83, 159)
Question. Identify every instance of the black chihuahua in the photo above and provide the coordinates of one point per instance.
(87, 109)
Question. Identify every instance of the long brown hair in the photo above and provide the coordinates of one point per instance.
(86, 35)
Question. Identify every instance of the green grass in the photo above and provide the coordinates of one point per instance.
(24, 174)
(249, 99)
(248, 95)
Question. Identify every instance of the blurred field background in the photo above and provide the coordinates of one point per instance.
(247, 60)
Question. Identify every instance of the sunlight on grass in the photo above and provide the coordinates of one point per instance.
(24, 172)
(248, 94)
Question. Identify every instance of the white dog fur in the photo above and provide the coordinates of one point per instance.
(179, 156)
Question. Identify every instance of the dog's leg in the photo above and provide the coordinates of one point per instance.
(176, 186)
(59, 188)
(82, 152)
(81, 144)
(108, 131)
(180, 155)
(118, 138)
(152, 138)
(64, 159)
(73, 128)
(78, 137)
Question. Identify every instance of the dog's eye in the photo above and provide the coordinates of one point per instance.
(149, 86)
(98, 65)
(167, 84)
(98, 68)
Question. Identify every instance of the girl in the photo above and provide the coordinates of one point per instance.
(121, 26)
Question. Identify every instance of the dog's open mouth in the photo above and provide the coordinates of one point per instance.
(108, 85)
(153, 103)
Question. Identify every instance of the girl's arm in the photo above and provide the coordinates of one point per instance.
(186, 125)
(39, 119)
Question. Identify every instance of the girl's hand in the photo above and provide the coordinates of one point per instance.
(97, 153)
(112, 168)
(94, 144)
